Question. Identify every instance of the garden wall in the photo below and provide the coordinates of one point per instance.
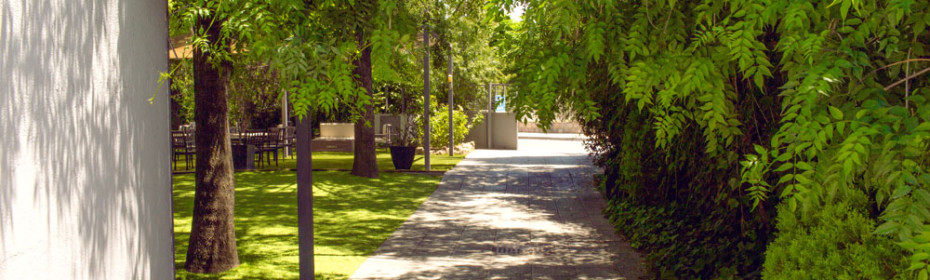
(557, 127)
(503, 132)
(85, 185)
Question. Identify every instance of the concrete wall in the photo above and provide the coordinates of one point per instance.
(396, 121)
(337, 130)
(556, 127)
(478, 132)
(503, 132)
(85, 186)
(382, 119)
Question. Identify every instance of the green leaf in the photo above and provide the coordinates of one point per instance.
(900, 191)
(786, 178)
(783, 157)
(802, 179)
(923, 196)
(924, 126)
(917, 265)
(908, 244)
(886, 228)
(861, 113)
(844, 8)
(784, 166)
(759, 149)
(836, 113)
(848, 166)
(804, 165)
(920, 256)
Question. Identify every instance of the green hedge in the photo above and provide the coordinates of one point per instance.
(833, 242)
(745, 136)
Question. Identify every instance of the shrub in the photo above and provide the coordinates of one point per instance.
(736, 107)
(834, 242)
(439, 126)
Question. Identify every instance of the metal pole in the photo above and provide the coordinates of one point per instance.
(305, 197)
(284, 117)
(451, 127)
(490, 111)
(426, 98)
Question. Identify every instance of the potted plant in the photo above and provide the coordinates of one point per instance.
(404, 146)
(404, 149)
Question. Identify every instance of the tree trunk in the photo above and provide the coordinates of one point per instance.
(305, 197)
(212, 247)
(365, 163)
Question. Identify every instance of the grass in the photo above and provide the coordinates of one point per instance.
(333, 160)
(352, 217)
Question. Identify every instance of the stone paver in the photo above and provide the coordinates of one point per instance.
(527, 214)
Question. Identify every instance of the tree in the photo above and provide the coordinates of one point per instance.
(354, 24)
(216, 26)
(324, 68)
(365, 163)
(212, 246)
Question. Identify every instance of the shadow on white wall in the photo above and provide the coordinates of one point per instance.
(85, 188)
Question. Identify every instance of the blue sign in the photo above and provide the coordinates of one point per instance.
(501, 102)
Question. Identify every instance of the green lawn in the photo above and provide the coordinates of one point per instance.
(352, 216)
(331, 160)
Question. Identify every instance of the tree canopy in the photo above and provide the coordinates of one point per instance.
(765, 116)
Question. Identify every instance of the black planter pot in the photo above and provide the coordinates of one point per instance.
(402, 157)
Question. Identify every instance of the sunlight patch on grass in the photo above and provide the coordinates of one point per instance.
(352, 216)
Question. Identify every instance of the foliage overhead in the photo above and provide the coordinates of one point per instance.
(310, 44)
(733, 107)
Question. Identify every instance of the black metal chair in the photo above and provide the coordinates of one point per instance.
(273, 141)
(180, 147)
(256, 138)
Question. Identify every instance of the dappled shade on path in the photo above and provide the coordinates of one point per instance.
(527, 214)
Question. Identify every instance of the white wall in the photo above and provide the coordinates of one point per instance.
(503, 132)
(85, 190)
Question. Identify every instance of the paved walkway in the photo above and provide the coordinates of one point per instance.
(526, 214)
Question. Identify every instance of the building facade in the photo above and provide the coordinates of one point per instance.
(85, 185)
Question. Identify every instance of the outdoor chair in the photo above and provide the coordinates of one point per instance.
(273, 141)
(256, 138)
(180, 148)
(190, 141)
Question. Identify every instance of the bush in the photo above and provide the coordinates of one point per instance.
(705, 127)
(439, 126)
(680, 243)
(834, 242)
(684, 212)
